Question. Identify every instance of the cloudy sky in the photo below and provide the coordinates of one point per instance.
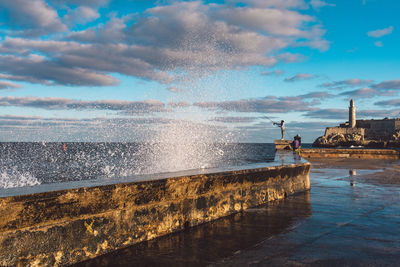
(111, 70)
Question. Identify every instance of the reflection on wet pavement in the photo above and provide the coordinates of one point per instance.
(284, 157)
(343, 220)
(352, 226)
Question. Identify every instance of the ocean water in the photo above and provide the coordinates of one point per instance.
(29, 164)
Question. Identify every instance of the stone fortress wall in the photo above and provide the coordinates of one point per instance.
(376, 128)
(342, 130)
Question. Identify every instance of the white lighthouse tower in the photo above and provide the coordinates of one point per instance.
(352, 114)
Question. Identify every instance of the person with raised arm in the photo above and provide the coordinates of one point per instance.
(282, 126)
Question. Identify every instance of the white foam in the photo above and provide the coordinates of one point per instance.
(10, 178)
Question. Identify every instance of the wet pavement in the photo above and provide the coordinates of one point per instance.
(347, 219)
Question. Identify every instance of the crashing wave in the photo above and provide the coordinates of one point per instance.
(10, 178)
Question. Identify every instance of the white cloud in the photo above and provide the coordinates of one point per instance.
(378, 43)
(299, 77)
(317, 4)
(271, 21)
(81, 15)
(57, 103)
(315, 39)
(380, 32)
(391, 102)
(36, 17)
(8, 85)
(269, 104)
(273, 72)
(339, 85)
(76, 64)
(367, 92)
(159, 44)
(280, 4)
(113, 32)
(47, 72)
(290, 57)
(90, 3)
(393, 84)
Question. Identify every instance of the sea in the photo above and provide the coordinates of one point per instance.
(33, 163)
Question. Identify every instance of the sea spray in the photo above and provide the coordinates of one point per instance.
(11, 177)
(185, 145)
(191, 139)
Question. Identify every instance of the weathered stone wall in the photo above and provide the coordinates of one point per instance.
(339, 130)
(377, 128)
(68, 226)
(378, 125)
(351, 153)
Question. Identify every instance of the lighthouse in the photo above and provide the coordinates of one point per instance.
(352, 114)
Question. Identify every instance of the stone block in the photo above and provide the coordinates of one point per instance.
(283, 144)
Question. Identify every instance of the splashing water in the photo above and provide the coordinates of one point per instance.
(184, 146)
(10, 178)
(190, 140)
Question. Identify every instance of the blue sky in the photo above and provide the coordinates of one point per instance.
(103, 70)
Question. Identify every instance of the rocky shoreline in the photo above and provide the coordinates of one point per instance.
(356, 140)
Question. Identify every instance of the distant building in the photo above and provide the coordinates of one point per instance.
(368, 129)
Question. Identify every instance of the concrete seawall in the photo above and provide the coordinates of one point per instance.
(351, 153)
(67, 226)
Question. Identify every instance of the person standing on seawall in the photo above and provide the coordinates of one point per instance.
(296, 143)
(282, 126)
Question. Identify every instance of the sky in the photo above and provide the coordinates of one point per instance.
(122, 70)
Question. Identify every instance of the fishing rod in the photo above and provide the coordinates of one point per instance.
(269, 119)
(290, 131)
